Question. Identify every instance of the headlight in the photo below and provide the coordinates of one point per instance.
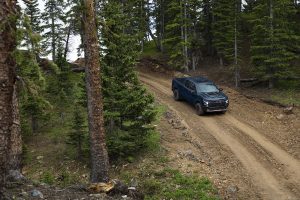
(227, 101)
(205, 103)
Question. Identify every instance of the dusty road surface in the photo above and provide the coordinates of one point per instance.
(251, 150)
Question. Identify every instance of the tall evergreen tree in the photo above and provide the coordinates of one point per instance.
(158, 8)
(206, 20)
(78, 135)
(223, 29)
(53, 17)
(128, 107)
(176, 33)
(33, 102)
(33, 12)
(274, 40)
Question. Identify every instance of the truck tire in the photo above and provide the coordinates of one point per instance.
(199, 109)
(176, 95)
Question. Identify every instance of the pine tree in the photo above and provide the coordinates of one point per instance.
(157, 11)
(223, 29)
(33, 12)
(274, 40)
(176, 33)
(32, 100)
(128, 107)
(53, 17)
(78, 135)
(206, 26)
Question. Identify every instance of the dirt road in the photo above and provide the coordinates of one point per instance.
(243, 147)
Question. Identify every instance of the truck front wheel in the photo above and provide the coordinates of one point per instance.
(176, 94)
(199, 109)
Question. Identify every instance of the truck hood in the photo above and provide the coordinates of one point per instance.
(213, 96)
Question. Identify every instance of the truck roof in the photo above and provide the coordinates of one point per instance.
(199, 79)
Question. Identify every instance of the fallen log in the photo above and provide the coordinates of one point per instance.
(78, 69)
(248, 80)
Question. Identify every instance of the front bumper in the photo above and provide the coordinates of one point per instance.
(215, 110)
(222, 107)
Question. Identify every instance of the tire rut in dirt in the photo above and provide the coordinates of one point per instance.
(288, 162)
(271, 188)
(265, 157)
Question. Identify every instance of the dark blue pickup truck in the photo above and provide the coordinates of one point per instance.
(200, 92)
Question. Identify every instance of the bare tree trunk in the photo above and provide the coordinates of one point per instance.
(221, 61)
(236, 67)
(153, 38)
(162, 48)
(271, 69)
(34, 124)
(194, 62)
(162, 28)
(182, 28)
(10, 134)
(185, 39)
(53, 42)
(99, 155)
(68, 40)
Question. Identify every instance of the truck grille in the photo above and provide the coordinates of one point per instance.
(219, 103)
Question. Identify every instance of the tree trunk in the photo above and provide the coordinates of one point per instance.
(237, 72)
(53, 45)
(153, 38)
(221, 61)
(79, 150)
(68, 39)
(99, 155)
(10, 133)
(270, 67)
(34, 124)
(194, 62)
(185, 38)
(271, 83)
(162, 26)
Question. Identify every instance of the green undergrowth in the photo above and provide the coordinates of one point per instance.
(150, 50)
(287, 92)
(287, 97)
(157, 180)
(171, 184)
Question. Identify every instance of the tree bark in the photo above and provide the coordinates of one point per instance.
(236, 67)
(162, 25)
(66, 51)
(186, 62)
(99, 155)
(221, 61)
(53, 39)
(10, 133)
(271, 68)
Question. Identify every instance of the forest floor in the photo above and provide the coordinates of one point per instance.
(251, 152)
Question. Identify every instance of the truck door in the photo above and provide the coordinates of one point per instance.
(185, 90)
(191, 94)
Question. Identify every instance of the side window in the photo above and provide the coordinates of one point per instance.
(193, 87)
(187, 84)
(190, 85)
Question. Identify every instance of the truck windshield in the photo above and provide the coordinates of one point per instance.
(206, 88)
